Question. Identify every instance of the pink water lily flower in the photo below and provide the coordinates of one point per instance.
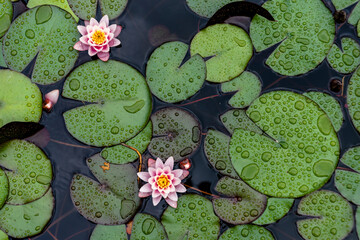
(162, 181)
(98, 38)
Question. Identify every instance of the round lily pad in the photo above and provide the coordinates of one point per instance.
(4, 188)
(229, 48)
(120, 154)
(194, 218)
(331, 216)
(352, 158)
(237, 118)
(27, 220)
(251, 232)
(59, 3)
(330, 105)
(20, 100)
(355, 15)
(3, 236)
(147, 227)
(169, 79)
(103, 232)
(87, 9)
(176, 132)
(28, 169)
(6, 13)
(242, 204)
(348, 185)
(299, 153)
(2, 60)
(353, 99)
(345, 60)
(121, 103)
(216, 148)
(37, 34)
(247, 87)
(276, 209)
(207, 8)
(304, 29)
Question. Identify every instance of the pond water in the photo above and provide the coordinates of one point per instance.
(138, 19)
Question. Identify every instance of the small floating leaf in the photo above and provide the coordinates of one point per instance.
(247, 232)
(20, 100)
(170, 82)
(18, 130)
(353, 99)
(2, 60)
(229, 47)
(216, 148)
(207, 8)
(341, 4)
(304, 29)
(59, 3)
(352, 158)
(194, 216)
(237, 118)
(103, 232)
(331, 216)
(355, 15)
(87, 9)
(120, 154)
(348, 185)
(176, 132)
(121, 103)
(43, 38)
(6, 13)
(247, 86)
(27, 220)
(242, 204)
(3, 236)
(147, 227)
(276, 209)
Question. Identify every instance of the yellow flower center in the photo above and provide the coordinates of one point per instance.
(163, 181)
(98, 37)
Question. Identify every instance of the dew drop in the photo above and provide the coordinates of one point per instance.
(30, 33)
(250, 171)
(43, 14)
(148, 226)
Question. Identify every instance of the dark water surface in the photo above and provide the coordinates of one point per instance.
(139, 17)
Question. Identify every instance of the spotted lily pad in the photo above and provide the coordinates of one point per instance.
(27, 220)
(352, 158)
(304, 29)
(193, 218)
(28, 169)
(357, 217)
(329, 105)
(3, 236)
(20, 100)
(4, 188)
(242, 204)
(229, 48)
(170, 82)
(2, 60)
(237, 118)
(207, 8)
(331, 216)
(276, 209)
(147, 227)
(341, 4)
(345, 60)
(354, 15)
(6, 13)
(216, 149)
(43, 38)
(104, 232)
(299, 153)
(353, 98)
(176, 132)
(247, 87)
(87, 9)
(249, 231)
(59, 3)
(120, 154)
(121, 103)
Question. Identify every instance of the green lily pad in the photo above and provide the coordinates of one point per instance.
(27, 220)
(147, 227)
(20, 100)
(299, 153)
(348, 185)
(358, 29)
(43, 38)
(357, 217)
(331, 216)
(341, 4)
(352, 158)
(329, 105)
(276, 209)
(28, 169)
(229, 47)
(59, 3)
(176, 132)
(242, 204)
(207, 8)
(3, 236)
(247, 232)
(120, 154)
(4, 188)
(346, 60)
(216, 148)
(2, 60)
(353, 98)
(355, 15)
(237, 118)
(169, 81)
(87, 9)
(103, 232)
(304, 29)
(121, 103)
(247, 87)
(6, 14)
(194, 218)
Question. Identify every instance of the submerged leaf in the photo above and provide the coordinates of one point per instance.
(18, 130)
(276, 209)
(59, 3)
(249, 231)
(103, 232)
(237, 118)
(6, 14)
(87, 9)
(207, 8)
(147, 227)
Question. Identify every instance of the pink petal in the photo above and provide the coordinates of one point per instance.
(151, 163)
(105, 19)
(82, 30)
(117, 31)
(143, 175)
(166, 170)
(106, 48)
(156, 193)
(159, 171)
(52, 96)
(80, 46)
(86, 22)
(159, 163)
(151, 180)
(180, 188)
(176, 181)
(146, 188)
(144, 194)
(92, 51)
(171, 202)
(115, 42)
(184, 175)
(177, 172)
(93, 22)
(173, 196)
(84, 39)
(112, 28)
(156, 200)
(89, 29)
(165, 192)
(152, 171)
(104, 56)
(170, 162)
